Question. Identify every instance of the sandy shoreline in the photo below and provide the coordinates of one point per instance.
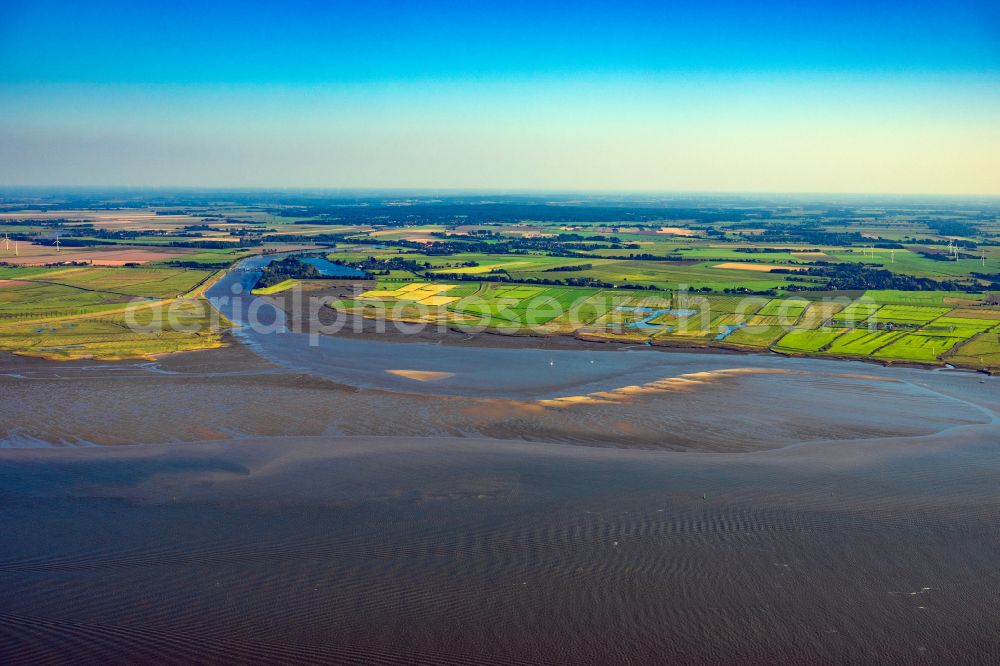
(233, 394)
(693, 399)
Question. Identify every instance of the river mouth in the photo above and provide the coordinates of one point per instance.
(633, 398)
(525, 372)
(363, 501)
(278, 382)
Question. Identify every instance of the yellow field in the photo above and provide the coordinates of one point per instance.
(419, 292)
(415, 235)
(484, 268)
(762, 268)
(275, 288)
(439, 300)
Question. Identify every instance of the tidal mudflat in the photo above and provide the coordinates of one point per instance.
(367, 501)
(625, 399)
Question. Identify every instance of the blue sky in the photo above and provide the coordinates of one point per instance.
(863, 96)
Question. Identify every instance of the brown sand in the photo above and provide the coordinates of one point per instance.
(233, 393)
(39, 255)
(421, 375)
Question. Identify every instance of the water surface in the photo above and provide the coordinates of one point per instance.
(473, 551)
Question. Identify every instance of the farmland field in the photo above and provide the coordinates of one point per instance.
(818, 313)
(786, 324)
(981, 351)
(148, 282)
(855, 313)
(40, 255)
(784, 307)
(276, 288)
(907, 314)
(499, 304)
(77, 312)
(870, 277)
(861, 342)
(116, 335)
(756, 336)
(917, 347)
(959, 327)
(928, 298)
(808, 340)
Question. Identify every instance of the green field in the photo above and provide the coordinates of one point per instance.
(88, 311)
(818, 314)
(926, 298)
(276, 288)
(855, 313)
(617, 272)
(787, 308)
(861, 342)
(907, 314)
(35, 292)
(42, 299)
(210, 258)
(807, 340)
(756, 336)
(497, 304)
(981, 351)
(116, 335)
(960, 327)
(871, 281)
(158, 282)
(917, 347)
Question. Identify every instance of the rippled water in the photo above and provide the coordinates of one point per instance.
(394, 551)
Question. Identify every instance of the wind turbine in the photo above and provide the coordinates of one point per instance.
(892, 256)
(6, 242)
(57, 242)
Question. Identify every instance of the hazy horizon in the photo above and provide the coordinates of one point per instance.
(642, 97)
(429, 193)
